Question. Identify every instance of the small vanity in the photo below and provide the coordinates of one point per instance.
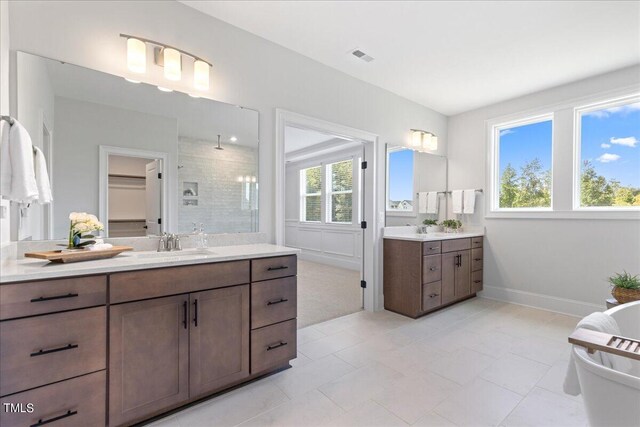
(115, 342)
(426, 272)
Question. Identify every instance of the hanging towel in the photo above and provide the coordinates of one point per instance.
(432, 202)
(469, 201)
(422, 203)
(19, 184)
(5, 159)
(600, 322)
(42, 178)
(456, 201)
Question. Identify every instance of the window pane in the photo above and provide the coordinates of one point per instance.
(313, 181)
(400, 169)
(312, 208)
(610, 156)
(342, 176)
(341, 207)
(525, 165)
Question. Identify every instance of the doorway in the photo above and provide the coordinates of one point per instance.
(324, 202)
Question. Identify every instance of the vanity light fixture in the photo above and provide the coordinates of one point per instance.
(164, 89)
(423, 141)
(136, 55)
(132, 81)
(168, 57)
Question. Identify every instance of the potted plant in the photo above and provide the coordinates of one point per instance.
(625, 287)
(430, 226)
(451, 225)
(81, 223)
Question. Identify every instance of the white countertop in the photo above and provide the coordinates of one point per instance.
(432, 236)
(33, 269)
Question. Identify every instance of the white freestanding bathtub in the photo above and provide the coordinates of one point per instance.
(612, 398)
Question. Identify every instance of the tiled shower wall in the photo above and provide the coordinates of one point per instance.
(224, 205)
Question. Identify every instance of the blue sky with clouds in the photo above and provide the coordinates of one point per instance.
(611, 142)
(519, 145)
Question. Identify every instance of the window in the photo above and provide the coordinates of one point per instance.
(608, 155)
(522, 164)
(400, 182)
(340, 194)
(311, 194)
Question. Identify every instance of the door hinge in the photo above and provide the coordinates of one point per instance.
(363, 284)
(363, 224)
(363, 165)
(160, 175)
(159, 220)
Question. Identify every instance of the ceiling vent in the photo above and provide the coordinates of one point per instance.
(361, 55)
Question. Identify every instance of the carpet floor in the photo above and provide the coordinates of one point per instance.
(326, 292)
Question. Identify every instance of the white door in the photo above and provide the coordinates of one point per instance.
(153, 199)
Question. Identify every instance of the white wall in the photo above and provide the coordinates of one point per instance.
(557, 264)
(339, 245)
(5, 220)
(247, 70)
(81, 127)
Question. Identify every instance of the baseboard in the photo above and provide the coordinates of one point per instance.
(544, 302)
(328, 260)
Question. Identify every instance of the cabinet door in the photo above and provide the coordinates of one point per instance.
(219, 338)
(463, 274)
(149, 357)
(449, 266)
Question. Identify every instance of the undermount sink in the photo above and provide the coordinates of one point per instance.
(182, 253)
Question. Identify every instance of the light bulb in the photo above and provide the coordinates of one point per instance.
(201, 75)
(172, 64)
(136, 55)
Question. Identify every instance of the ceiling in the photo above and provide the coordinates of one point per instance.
(301, 144)
(450, 56)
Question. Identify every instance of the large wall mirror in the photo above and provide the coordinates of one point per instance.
(143, 160)
(411, 175)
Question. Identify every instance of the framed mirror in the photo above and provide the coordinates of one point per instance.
(410, 176)
(143, 160)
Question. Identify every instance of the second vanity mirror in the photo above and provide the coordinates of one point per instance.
(143, 160)
(411, 175)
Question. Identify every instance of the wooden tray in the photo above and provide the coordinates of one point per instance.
(67, 256)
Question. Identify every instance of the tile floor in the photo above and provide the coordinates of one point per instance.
(478, 363)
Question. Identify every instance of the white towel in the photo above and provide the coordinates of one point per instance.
(469, 201)
(600, 322)
(456, 201)
(18, 175)
(99, 246)
(432, 202)
(42, 178)
(422, 203)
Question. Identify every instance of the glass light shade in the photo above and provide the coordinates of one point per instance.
(201, 75)
(416, 138)
(164, 89)
(136, 56)
(172, 64)
(433, 143)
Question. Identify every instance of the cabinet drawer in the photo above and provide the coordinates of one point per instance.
(48, 296)
(273, 346)
(431, 268)
(40, 350)
(431, 248)
(75, 402)
(456, 245)
(273, 301)
(137, 285)
(272, 268)
(431, 296)
(476, 281)
(476, 242)
(476, 259)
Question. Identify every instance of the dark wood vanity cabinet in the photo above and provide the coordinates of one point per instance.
(174, 335)
(420, 277)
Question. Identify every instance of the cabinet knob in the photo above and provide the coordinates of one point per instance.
(433, 269)
(433, 295)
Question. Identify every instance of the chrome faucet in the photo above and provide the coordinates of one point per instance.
(169, 242)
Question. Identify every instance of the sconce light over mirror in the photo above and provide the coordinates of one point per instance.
(423, 141)
(165, 56)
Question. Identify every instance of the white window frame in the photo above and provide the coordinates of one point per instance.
(329, 192)
(578, 112)
(304, 194)
(494, 160)
(412, 213)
